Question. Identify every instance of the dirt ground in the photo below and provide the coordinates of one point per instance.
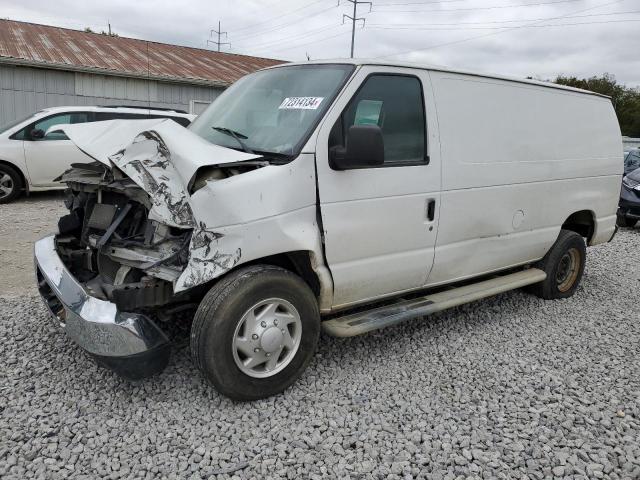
(21, 223)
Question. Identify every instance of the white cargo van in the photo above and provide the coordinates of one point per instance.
(344, 195)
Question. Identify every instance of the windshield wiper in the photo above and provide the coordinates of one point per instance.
(236, 135)
(274, 157)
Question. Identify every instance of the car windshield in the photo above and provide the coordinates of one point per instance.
(632, 162)
(272, 111)
(10, 125)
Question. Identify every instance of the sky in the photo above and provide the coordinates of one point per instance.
(538, 38)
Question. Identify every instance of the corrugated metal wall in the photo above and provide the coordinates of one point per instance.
(24, 90)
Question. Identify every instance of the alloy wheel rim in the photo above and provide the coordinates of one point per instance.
(6, 185)
(267, 337)
(568, 269)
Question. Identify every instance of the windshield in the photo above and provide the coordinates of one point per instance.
(272, 111)
(10, 125)
(632, 162)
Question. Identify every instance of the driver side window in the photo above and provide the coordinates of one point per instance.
(395, 104)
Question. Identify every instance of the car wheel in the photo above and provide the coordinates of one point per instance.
(10, 183)
(564, 266)
(255, 332)
(624, 221)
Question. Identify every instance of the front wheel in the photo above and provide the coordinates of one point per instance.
(255, 332)
(564, 266)
(10, 183)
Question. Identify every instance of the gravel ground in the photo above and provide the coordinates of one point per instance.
(510, 387)
(21, 223)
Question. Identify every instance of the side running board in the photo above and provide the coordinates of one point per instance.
(374, 319)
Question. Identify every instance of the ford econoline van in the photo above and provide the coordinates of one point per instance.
(343, 196)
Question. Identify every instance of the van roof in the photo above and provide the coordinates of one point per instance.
(441, 68)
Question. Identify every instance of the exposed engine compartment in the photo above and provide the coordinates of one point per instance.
(110, 244)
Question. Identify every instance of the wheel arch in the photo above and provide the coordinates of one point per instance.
(583, 222)
(303, 263)
(298, 262)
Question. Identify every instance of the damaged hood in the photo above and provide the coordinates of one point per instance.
(107, 142)
(162, 158)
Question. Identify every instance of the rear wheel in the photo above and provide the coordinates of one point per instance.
(10, 183)
(564, 266)
(255, 332)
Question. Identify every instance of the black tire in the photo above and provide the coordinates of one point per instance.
(564, 266)
(624, 221)
(14, 183)
(221, 310)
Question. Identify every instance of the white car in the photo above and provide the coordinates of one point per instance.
(346, 196)
(30, 159)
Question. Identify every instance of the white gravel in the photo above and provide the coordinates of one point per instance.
(510, 387)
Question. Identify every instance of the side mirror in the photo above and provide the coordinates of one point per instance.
(365, 148)
(37, 133)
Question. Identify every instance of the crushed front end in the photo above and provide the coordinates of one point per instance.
(108, 275)
(133, 256)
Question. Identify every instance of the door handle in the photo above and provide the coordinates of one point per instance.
(431, 209)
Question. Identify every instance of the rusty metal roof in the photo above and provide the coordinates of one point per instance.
(62, 48)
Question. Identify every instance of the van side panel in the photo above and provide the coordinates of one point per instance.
(517, 161)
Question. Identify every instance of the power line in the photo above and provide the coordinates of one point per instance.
(504, 30)
(522, 26)
(421, 3)
(219, 32)
(418, 25)
(253, 25)
(313, 41)
(296, 36)
(286, 24)
(354, 19)
(468, 9)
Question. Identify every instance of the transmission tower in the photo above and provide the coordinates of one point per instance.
(355, 19)
(219, 32)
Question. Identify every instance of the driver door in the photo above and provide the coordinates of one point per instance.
(380, 223)
(49, 156)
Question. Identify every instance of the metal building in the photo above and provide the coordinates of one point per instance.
(44, 66)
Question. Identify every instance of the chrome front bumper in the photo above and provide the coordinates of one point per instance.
(129, 343)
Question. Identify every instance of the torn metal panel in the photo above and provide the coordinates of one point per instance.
(236, 244)
(208, 258)
(147, 162)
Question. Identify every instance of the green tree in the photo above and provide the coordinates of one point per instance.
(626, 100)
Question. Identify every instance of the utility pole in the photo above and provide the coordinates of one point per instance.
(219, 32)
(355, 19)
